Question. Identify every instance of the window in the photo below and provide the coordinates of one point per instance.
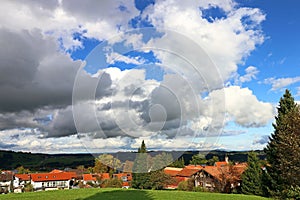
(124, 178)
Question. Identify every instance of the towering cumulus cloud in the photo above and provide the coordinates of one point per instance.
(165, 72)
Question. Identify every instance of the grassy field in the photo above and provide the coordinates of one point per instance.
(123, 194)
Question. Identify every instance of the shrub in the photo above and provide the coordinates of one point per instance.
(200, 189)
(183, 185)
(292, 193)
(112, 183)
(28, 188)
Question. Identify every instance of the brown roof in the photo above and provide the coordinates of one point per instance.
(233, 172)
(6, 177)
(213, 171)
(62, 176)
(187, 172)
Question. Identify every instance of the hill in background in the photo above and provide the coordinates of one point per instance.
(46, 162)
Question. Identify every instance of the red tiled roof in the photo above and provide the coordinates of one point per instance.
(194, 166)
(172, 171)
(217, 172)
(213, 171)
(187, 172)
(62, 176)
(104, 176)
(56, 171)
(89, 177)
(23, 177)
(221, 164)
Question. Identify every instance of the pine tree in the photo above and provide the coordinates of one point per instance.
(141, 177)
(251, 178)
(142, 149)
(279, 147)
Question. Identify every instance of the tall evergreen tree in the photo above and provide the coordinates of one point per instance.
(279, 148)
(143, 148)
(251, 178)
(141, 177)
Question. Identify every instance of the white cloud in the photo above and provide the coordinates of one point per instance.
(114, 57)
(115, 108)
(227, 41)
(251, 73)
(94, 19)
(280, 83)
(242, 106)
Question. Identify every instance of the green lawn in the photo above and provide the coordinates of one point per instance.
(123, 194)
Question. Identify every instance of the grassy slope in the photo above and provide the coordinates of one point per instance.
(123, 194)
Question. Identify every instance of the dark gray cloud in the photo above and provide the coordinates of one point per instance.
(7, 146)
(33, 73)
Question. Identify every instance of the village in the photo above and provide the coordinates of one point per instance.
(210, 178)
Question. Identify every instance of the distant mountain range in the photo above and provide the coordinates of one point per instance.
(46, 162)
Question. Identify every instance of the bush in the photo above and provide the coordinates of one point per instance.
(187, 185)
(112, 183)
(200, 189)
(92, 184)
(28, 188)
(292, 193)
(183, 185)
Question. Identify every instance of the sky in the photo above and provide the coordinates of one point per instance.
(101, 76)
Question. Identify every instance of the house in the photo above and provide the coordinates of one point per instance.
(104, 176)
(125, 177)
(174, 173)
(53, 181)
(20, 181)
(6, 182)
(223, 178)
(90, 178)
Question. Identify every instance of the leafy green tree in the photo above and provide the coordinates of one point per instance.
(128, 165)
(109, 161)
(178, 163)
(213, 160)
(90, 170)
(22, 170)
(161, 161)
(99, 167)
(159, 180)
(198, 159)
(282, 150)
(81, 169)
(251, 178)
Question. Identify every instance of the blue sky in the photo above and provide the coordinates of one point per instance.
(102, 76)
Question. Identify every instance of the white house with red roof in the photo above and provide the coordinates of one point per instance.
(53, 181)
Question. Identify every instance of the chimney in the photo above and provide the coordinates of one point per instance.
(226, 159)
